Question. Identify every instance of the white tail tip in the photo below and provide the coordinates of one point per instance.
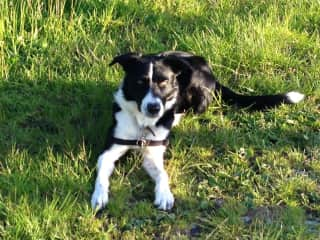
(294, 97)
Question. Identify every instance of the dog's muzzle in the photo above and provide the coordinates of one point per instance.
(153, 108)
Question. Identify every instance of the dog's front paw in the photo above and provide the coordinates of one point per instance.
(99, 198)
(164, 199)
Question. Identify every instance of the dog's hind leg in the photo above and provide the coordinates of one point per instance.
(105, 168)
(153, 164)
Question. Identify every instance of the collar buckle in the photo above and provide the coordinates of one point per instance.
(142, 142)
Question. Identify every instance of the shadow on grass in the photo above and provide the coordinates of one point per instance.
(64, 116)
(51, 134)
(56, 114)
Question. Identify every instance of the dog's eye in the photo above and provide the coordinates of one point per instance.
(140, 82)
(163, 84)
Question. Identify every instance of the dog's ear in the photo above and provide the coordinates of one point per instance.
(126, 60)
(177, 64)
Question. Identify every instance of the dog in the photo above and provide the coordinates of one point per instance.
(157, 90)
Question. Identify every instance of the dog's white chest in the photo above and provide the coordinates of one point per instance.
(127, 127)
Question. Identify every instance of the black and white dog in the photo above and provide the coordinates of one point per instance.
(156, 91)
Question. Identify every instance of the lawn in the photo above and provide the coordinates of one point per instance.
(235, 174)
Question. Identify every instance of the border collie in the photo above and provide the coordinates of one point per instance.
(156, 91)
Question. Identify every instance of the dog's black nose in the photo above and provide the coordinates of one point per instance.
(153, 108)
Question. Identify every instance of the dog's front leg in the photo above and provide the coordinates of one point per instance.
(153, 164)
(105, 168)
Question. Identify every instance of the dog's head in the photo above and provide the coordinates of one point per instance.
(151, 81)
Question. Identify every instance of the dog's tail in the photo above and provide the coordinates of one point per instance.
(257, 102)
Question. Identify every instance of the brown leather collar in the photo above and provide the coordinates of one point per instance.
(141, 142)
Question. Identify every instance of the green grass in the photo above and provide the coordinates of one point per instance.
(235, 174)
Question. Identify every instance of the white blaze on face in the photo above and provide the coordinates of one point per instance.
(150, 74)
(150, 99)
